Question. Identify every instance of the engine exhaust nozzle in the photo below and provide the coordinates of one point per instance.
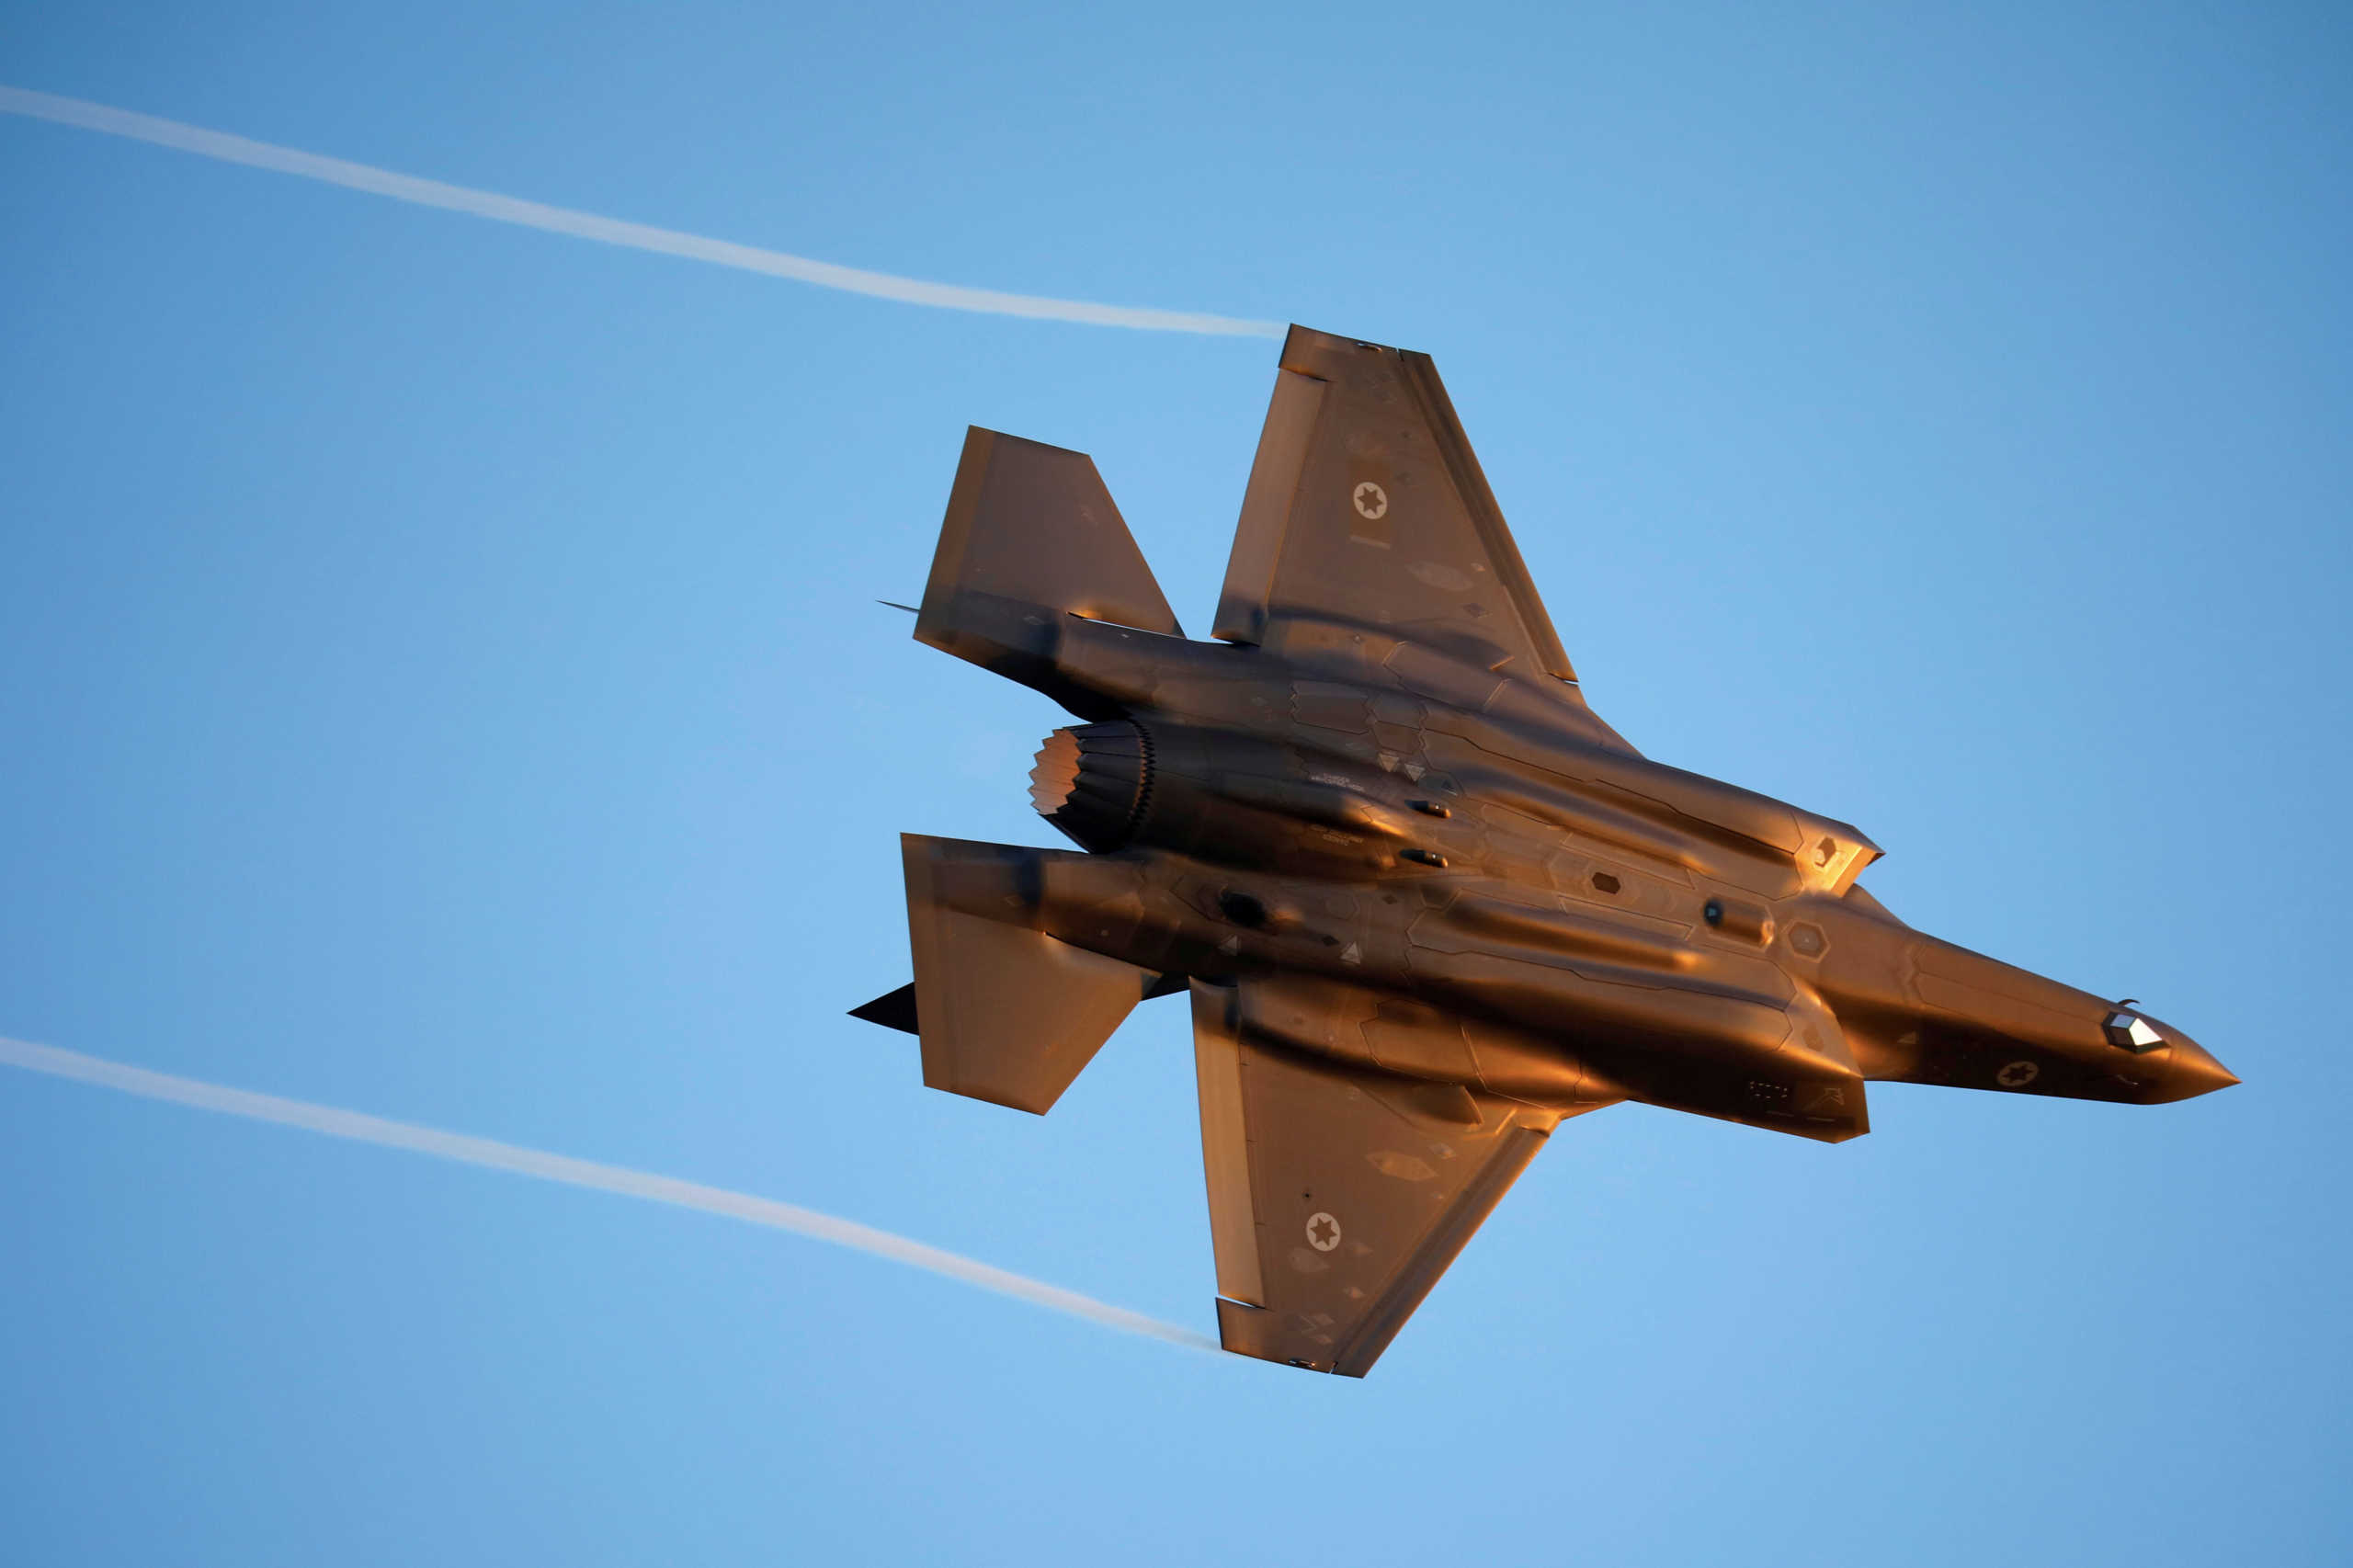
(1093, 782)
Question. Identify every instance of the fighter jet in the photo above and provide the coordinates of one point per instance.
(1425, 904)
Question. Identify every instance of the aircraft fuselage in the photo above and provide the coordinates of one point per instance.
(1383, 836)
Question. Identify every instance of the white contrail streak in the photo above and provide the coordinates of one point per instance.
(361, 1128)
(610, 231)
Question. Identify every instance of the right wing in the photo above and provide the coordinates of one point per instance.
(1339, 1194)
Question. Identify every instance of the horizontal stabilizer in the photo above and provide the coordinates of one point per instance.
(1009, 1014)
(1031, 534)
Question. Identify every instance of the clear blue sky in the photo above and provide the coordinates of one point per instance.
(439, 675)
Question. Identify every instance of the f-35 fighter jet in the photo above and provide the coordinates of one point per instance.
(1427, 904)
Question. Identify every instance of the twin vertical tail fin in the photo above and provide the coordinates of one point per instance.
(1007, 1013)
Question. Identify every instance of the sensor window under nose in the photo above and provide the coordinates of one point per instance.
(2130, 1031)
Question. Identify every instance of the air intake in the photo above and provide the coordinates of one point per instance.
(1093, 782)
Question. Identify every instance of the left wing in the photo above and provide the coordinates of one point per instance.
(1366, 502)
(1338, 1195)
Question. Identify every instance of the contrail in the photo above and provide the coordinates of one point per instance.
(610, 231)
(362, 1129)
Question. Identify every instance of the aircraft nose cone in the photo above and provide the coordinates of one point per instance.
(2194, 1071)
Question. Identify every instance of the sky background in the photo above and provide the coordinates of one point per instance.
(440, 676)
